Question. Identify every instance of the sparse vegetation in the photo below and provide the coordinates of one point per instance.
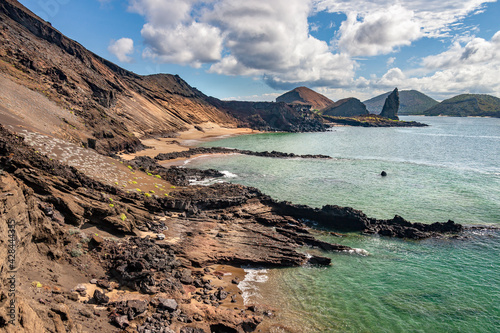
(76, 252)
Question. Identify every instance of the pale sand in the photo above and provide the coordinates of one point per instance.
(184, 140)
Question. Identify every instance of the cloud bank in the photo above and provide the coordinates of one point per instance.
(273, 40)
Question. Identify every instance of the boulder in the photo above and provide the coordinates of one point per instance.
(100, 298)
(168, 304)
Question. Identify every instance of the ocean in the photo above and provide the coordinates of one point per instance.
(449, 170)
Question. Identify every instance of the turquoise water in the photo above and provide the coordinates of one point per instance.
(450, 170)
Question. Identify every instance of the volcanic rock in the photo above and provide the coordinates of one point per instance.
(347, 107)
(391, 106)
(304, 95)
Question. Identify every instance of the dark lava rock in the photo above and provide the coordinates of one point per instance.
(120, 321)
(221, 294)
(320, 261)
(103, 284)
(391, 106)
(137, 306)
(100, 298)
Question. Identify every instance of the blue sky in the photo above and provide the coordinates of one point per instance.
(256, 50)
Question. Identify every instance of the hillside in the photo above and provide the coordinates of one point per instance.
(410, 102)
(271, 116)
(347, 107)
(304, 95)
(467, 105)
(89, 97)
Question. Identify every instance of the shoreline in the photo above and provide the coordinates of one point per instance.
(226, 224)
(184, 140)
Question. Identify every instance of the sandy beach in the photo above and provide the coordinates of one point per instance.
(187, 139)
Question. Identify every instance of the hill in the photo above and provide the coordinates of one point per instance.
(347, 107)
(410, 102)
(303, 95)
(467, 105)
(90, 97)
(271, 116)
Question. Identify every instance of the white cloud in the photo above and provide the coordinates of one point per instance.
(475, 51)
(434, 17)
(378, 32)
(271, 39)
(472, 67)
(194, 44)
(122, 48)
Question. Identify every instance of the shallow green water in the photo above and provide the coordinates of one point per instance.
(450, 170)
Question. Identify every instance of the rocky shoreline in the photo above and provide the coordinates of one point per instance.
(93, 257)
(371, 120)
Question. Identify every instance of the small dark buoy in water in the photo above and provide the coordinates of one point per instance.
(383, 174)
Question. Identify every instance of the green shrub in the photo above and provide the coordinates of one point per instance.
(123, 217)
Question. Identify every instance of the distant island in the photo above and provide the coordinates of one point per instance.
(411, 102)
(349, 111)
(467, 105)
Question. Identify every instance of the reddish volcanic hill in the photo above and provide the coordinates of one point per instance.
(304, 95)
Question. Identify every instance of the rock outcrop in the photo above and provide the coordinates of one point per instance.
(347, 107)
(391, 106)
(306, 96)
(222, 150)
(270, 116)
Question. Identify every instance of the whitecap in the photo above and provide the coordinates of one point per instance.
(360, 252)
(250, 284)
(228, 174)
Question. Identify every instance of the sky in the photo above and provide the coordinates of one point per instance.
(259, 49)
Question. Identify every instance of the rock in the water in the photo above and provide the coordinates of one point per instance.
(383, 173)
(391, 106)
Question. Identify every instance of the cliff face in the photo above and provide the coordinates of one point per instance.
(347, 107)
(467, 105)
(391, 106)
(271, 116)
(108, 103)
(304, 95)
